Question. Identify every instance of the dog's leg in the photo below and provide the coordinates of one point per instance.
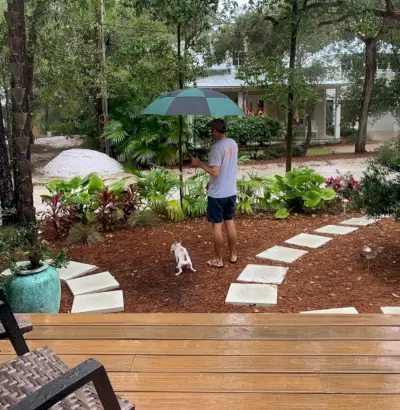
(179, 267)
(191, 267)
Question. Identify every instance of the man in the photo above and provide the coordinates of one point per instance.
(222, 167)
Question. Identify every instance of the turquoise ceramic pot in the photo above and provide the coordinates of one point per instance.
(34, 291)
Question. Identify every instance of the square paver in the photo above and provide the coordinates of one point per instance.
(100, 282)
(263, 274)
(309, 241)
(75, 270)
(259, 295)
(281, 254)
(391, 310)
(107, 302)
(339, 311)
(336, 230)
(363, 221)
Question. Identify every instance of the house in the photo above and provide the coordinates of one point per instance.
(327, 113)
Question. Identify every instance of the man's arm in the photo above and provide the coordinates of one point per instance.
(213, 171)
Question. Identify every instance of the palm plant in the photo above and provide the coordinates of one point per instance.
(253, 193)
(157, 188)
(195, 195)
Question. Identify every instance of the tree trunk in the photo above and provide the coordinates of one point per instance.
(309, 130)
(290, 115)
(180, 142)
(20, 133)
(370, 75)
(6, 185)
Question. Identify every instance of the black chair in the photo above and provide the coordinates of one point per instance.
(39, 379)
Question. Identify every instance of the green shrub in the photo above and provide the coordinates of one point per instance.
(244, 130)
(297, 191)
(380, 186)
(84, 234)
(279, 151)
(144, 218)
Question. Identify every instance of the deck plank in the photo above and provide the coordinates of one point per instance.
(214, 319)
(215, 347)
(361, 383)
(216, 382)
(270, 364)
(112, 363)
(216, 333)
(261, 401)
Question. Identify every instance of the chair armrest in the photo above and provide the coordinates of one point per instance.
(11, 327)
(69, 382)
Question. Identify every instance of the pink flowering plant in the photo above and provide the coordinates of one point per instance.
(345, 185)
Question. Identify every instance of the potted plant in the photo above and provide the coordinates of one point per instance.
(33, 285)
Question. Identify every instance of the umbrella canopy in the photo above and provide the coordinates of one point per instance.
(194, 101)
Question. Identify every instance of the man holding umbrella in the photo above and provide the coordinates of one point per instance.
(222, 167)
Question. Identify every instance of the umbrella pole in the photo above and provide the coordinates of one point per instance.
(181, 159)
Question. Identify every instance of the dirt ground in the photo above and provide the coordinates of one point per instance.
(330, 277)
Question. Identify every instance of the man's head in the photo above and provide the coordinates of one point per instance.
(218, 129)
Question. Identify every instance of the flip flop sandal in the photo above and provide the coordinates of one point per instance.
(213, 265)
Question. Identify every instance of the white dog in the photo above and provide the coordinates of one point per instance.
(182, 257)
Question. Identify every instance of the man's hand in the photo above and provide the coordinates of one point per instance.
(196, 162)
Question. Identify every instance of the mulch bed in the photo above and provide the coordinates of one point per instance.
(330, 277)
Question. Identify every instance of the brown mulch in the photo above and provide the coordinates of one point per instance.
(330, 277)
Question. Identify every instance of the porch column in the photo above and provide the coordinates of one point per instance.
(240, 99)
(338, 114)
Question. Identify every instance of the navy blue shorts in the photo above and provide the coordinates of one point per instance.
(221, 209)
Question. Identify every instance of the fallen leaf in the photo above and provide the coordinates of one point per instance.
(396, 296)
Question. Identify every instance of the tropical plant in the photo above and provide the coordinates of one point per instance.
(250, 193)
(144, 218)
(344, 185)
(195, 195)
(380, 185)
(84, 234)
(157, 188)
(296, 191)
(61, 216)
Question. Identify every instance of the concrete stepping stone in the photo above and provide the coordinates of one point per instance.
(259, 295)
(75, 270)
(336, 230)
(309, 241)
(263, 274)
(363, 221)
(281, 254)
(338, 311)
(100, 282)
(391, 310)
(107, 302)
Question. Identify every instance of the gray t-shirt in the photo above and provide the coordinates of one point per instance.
(224, 154)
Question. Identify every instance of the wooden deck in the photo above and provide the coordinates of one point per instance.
(241, 362)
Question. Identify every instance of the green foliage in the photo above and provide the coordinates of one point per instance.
(250, 194)
(380, 186)
(279, 151)
(25, 242)
(157, 188)
(84, 234)
(195, 195)
(144, 218)
(297, 191)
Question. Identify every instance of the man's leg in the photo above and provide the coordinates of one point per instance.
(232, 240)
(228, 214)
(215, 213)
(218, 242)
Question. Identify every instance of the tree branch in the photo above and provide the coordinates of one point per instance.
(273, 20)
(391, 12)
(333, 21)
(321, 4)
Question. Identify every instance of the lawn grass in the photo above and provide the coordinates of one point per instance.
(312, 152)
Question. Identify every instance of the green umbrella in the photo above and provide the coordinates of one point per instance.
(194, 101)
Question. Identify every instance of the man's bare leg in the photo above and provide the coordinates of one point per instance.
(232, 240)
(218, 242)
